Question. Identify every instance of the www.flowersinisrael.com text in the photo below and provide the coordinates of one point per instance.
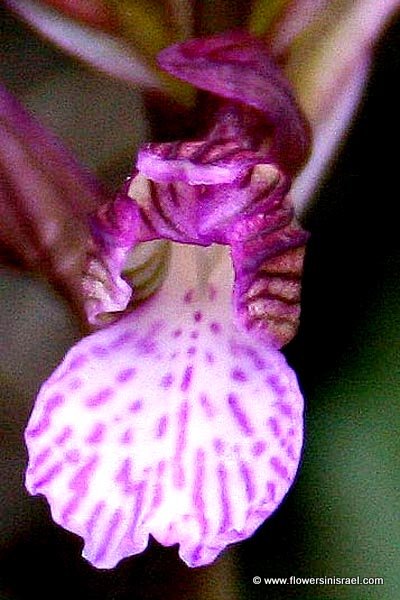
(293, 580)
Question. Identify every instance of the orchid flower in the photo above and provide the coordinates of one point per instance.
(183, 420)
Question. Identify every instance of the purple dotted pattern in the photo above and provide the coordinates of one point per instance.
(166, 429)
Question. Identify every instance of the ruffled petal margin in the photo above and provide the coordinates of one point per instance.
(170, 423)
(230, 187)
(255, 217)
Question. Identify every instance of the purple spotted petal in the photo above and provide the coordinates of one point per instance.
(169, 423)
(238, 67)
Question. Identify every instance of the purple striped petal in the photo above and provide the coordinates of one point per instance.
(255, 217)
(238, 67)
(46, 205)
(169, 423)
(227, 187)
(113, 233)
(268, 252)
(237, 140)
(45, 199)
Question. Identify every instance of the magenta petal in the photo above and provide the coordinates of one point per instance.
(255, 217)
(238, 139)
(113, 234)
(229, 187)
(268, 247)
(169, 423)
(45, 199)
(190, 162)
(238, 67)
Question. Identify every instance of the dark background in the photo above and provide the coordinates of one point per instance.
(341, 517)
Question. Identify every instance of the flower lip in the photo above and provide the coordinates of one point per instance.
(170, 422)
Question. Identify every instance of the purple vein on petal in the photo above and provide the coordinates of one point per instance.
(50, 236)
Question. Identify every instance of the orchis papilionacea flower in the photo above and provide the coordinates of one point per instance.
(182, 419)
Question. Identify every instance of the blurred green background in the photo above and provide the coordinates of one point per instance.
(342, 516)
